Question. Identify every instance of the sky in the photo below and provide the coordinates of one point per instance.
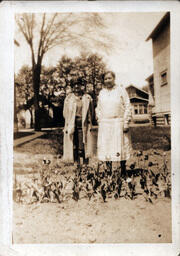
(131, 58)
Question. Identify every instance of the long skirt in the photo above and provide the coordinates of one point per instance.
(68, 148)
(113, 144)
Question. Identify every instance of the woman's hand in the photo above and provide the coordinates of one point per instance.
(70, 130)
(65, 130)
(126, 128)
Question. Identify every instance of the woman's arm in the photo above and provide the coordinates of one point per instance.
(65, 108)
(98, 110)
(92, 111)
(127, 108)
(67, 113)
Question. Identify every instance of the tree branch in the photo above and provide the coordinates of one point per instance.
(41, 34)
(56, 31)
(26, 28)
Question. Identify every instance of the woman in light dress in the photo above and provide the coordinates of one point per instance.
(113, 114)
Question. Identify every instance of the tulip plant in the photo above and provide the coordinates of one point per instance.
(54, 183)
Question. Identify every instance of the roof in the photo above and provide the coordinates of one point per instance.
(150, 77)
(139, 98)
(136, 88)
(164, 21)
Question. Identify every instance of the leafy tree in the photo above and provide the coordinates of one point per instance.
(43, 32)
(23, 82)
(96, 69)
(54, 79)
(47, 83)
(51, 86)
(64, 67)
(89, 69)
(24, 90)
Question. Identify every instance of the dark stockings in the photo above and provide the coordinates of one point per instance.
(122, 165)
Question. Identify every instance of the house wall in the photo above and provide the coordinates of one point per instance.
(161, 56)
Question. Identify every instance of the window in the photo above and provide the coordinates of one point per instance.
(163, 77)
(135, 109)
(141, 109)
(145, 109)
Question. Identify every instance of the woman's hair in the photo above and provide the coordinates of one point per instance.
(68, 86)
(108, 72)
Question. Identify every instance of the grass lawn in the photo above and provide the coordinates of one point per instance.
(143, 138)
(147, 137)
(19, 135)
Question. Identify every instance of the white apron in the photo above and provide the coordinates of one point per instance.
(113, 111)
(113, 144)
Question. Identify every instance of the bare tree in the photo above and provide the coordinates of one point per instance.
(83, 30)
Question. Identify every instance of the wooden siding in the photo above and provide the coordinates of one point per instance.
(161, 120)
(161, 56)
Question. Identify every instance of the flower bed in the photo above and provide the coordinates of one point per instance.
(53, 181)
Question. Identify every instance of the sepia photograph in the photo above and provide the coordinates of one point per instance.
(92, 128)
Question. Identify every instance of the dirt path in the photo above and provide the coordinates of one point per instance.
(117, 221)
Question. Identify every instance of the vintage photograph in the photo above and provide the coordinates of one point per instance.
(92, 128)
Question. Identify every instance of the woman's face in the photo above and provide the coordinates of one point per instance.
(68, 90)
(109, 80)
(76, 89)
(79, 89)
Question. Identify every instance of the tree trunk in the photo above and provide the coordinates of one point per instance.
(36, 85)
(32, 121)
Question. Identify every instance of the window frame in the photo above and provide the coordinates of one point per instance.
(145, 109)
(136, 107)
(164, 72)
(141, 108)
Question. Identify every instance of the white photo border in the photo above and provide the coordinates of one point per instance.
(7, 11)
